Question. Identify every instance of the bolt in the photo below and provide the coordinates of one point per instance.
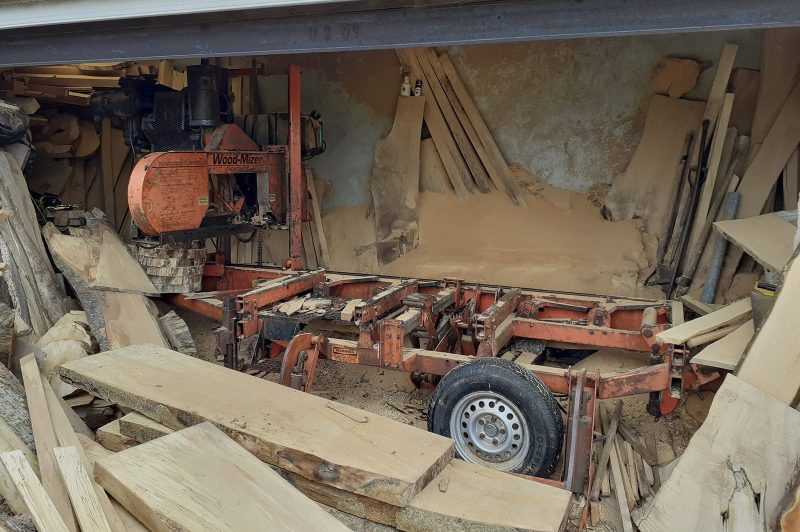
(481, 435)
(494, 441)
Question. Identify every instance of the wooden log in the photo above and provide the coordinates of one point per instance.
(163, 482)
(372, 456)
(20, 231)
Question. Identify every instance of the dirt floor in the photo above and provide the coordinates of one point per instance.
(392, 394)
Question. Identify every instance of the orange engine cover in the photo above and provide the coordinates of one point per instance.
(169, 192)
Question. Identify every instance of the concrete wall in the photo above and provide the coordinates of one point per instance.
(570, 111)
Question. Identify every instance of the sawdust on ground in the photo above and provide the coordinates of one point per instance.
(559, 242)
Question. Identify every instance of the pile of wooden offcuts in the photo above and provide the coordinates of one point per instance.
(741, 149)
(195, 447)
(731, 475)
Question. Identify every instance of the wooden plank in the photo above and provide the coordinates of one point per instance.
(491, 166)
(68, 437)
(117, 319)
(744, 84)
(772, 361)
(144, 429)
(317, 215)
(619, 488)
(81, 492)
(141, 428)
(45, 438)
(94, 452)
(507, 181)
(608, 446)
(394, 182)
(107, 170)
(40, 506)
(466, 496)
(768, 238)
(698, 306)
(779, 63)
(647, 186)
(199, 479)
(435, 89)
(453, 161)
(726, 352)
(110, 437)
(716, 96)
(698, 490)
(737, 311)
(117, 270)
(72, 80)
(432, 174)
(714, 162)
(349, 449)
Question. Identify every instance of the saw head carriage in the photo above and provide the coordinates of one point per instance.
(202, 172)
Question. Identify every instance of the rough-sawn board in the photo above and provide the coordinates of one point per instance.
(322, 440)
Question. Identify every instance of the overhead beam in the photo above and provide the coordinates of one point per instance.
(493, 22)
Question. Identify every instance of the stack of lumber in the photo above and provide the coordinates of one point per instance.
(463, 146)
(720, 335)
(174, 268)
(627, 466)
(770, 161)
(68, 84)
(31, 281)
(736, 468)
(354, 461)
(110, 284)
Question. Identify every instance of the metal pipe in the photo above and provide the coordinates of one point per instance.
(720, 248)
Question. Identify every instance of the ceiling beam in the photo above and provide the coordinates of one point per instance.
(488, 22)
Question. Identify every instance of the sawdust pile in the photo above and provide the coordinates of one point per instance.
(559, 242)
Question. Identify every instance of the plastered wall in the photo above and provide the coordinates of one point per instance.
(570, 111)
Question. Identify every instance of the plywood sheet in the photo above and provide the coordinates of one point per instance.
(646, 188)
(726, 352)
(772, 362)
(769, 238)
(699, 490)
(738, 311)
(199, 479)
(330, 443)
(466, 496)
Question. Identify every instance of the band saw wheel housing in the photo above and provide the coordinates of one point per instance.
(500, 416)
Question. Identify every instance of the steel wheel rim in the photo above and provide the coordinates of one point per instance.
(490, 430)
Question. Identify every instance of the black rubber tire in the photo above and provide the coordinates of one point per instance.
(519, 386)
